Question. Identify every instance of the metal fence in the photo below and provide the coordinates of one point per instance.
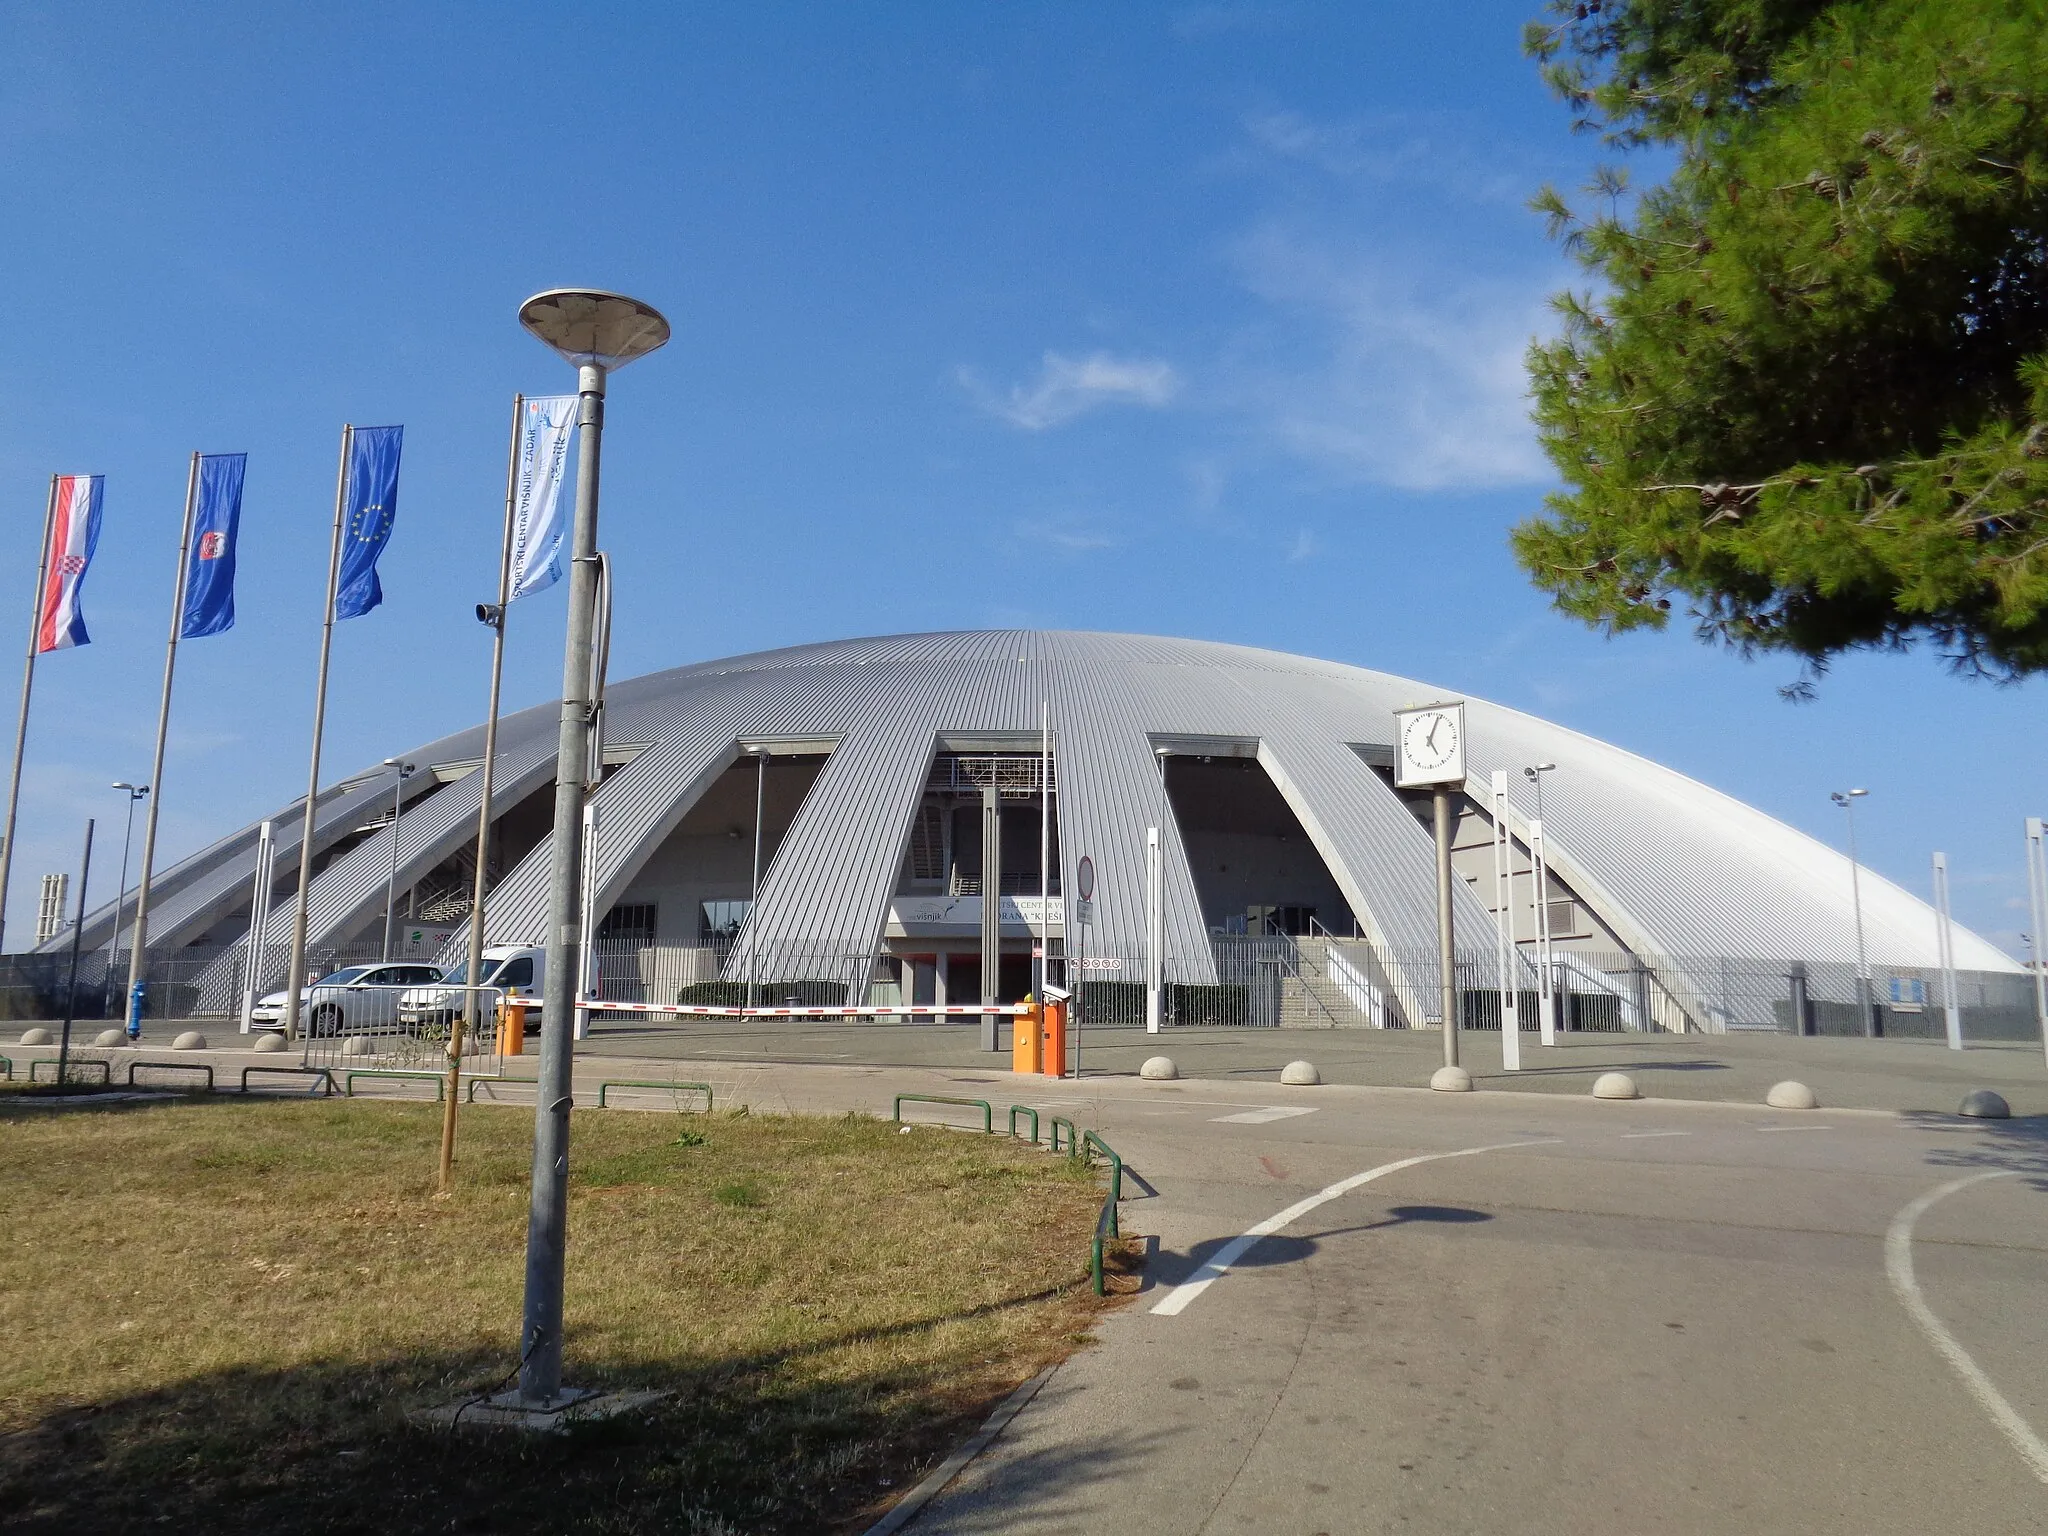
(357, 1027)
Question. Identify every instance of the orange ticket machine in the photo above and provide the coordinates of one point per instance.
(1052, 1031)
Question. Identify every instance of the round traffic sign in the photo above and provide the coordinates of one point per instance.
(1084, 877)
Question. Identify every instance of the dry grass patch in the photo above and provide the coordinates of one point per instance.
(222, 1310)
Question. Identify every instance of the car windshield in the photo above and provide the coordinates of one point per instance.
(342, 977)
(458, 975)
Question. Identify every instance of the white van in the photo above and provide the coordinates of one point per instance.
(518, 971)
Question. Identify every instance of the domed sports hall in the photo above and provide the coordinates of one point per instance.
(894, 784)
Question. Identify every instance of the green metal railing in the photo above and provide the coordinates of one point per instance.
(1106, 1224)
(1024, 1109)
(1073, 1136)
(438, 1079)
(170, 1066)
(322, 1078)
(988, 1114)
(638, 1082)
(76, 1065)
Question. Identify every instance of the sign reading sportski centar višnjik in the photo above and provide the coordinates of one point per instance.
(1429, 745)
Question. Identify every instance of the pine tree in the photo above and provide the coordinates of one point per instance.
(1807, 390)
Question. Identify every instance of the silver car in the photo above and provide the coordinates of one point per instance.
(355, 1000)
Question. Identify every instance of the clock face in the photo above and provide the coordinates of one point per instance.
(1432, 746)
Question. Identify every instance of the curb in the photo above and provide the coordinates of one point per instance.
(912, 1504)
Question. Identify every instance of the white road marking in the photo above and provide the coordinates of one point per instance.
(1898, 1267)
(1768, 1130)
(1178, 1297)
(1648, 1135)
(1263, 1116)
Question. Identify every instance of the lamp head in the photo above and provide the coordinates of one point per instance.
(589, 325)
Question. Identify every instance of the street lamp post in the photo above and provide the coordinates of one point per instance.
(1539, 871)
(135, 793)
(597, 333)
(401, 772)
(1865, 998)
(754, 896)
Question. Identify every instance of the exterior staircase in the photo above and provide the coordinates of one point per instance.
(1311, 996)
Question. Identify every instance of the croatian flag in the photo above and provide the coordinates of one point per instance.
(74, 530)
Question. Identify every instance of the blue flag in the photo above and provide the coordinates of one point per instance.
(371, 504)
(210, 568)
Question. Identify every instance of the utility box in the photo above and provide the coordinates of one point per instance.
(1027, 1039)
(1052, 1037)
(512, 1029)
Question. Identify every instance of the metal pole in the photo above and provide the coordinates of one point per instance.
(138, 947)
(1446, 946)
(472, 1011)
(1539, 875)
(754, 897)
(71, 987)
(121, 890)
(1865, 995)
(400, 772)
(1153, 968)
(1539, 859)
(293, 978)
(2037, 898)
(1042, 950)
(589, 977)
(259, 912)
(991, 908)
(1945, 931)
(1504, 953)
(28, 678)
(540, 1371)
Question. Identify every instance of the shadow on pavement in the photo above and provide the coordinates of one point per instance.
(1170, 1268)
(2018, 1145)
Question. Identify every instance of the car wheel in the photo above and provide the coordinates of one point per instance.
(327, 1019)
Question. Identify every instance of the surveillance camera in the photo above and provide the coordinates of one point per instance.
(492, 614)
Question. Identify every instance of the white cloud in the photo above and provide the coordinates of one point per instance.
(1067, 387)
(1392, 377)
(1303, 546)
(1066, 535)
(1433, 152)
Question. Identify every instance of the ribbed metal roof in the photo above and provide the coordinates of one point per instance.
(1677, 867)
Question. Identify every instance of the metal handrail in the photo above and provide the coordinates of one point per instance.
(988, 1114)
(641, 1082)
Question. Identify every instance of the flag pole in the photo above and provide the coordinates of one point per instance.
(28, 678)
(293, 979)
(483, 815)
(138, 945)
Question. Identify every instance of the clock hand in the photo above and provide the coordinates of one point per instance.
(1430, 740)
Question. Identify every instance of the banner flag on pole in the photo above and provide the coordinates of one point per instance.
(371, 506)
(74, 533)
(210, 568)
(545, 428)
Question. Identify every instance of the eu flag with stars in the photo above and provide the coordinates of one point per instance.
(371, 505)
(210, 567)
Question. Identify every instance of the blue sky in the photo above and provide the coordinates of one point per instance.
(1199, 320)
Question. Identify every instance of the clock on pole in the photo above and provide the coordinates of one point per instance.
(1429, 753)
(1429, 745)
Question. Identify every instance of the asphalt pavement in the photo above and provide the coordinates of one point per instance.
(1379, 1309)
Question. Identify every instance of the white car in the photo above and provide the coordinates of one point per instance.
(355, 1000)
(514, 974)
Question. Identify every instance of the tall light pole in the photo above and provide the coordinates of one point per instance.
(597, 333)
(135, 793)
(1155, 908)
(754, 896)
(1539, 872)
(1864, 996)
(401, 772)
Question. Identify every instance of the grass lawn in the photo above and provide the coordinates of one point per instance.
(219, 1312)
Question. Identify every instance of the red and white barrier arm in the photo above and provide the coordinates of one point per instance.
(706, 1010)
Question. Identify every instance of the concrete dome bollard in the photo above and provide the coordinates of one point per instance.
(1983, 1104)
(269, 1041)
(109, 1037)
(1159, 1069)
(1791, 1095)
(358, 1045)
(36, 1037)
(1300, 1074)
(1451, 1080)
(1615, 1085)
(191, 1040)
